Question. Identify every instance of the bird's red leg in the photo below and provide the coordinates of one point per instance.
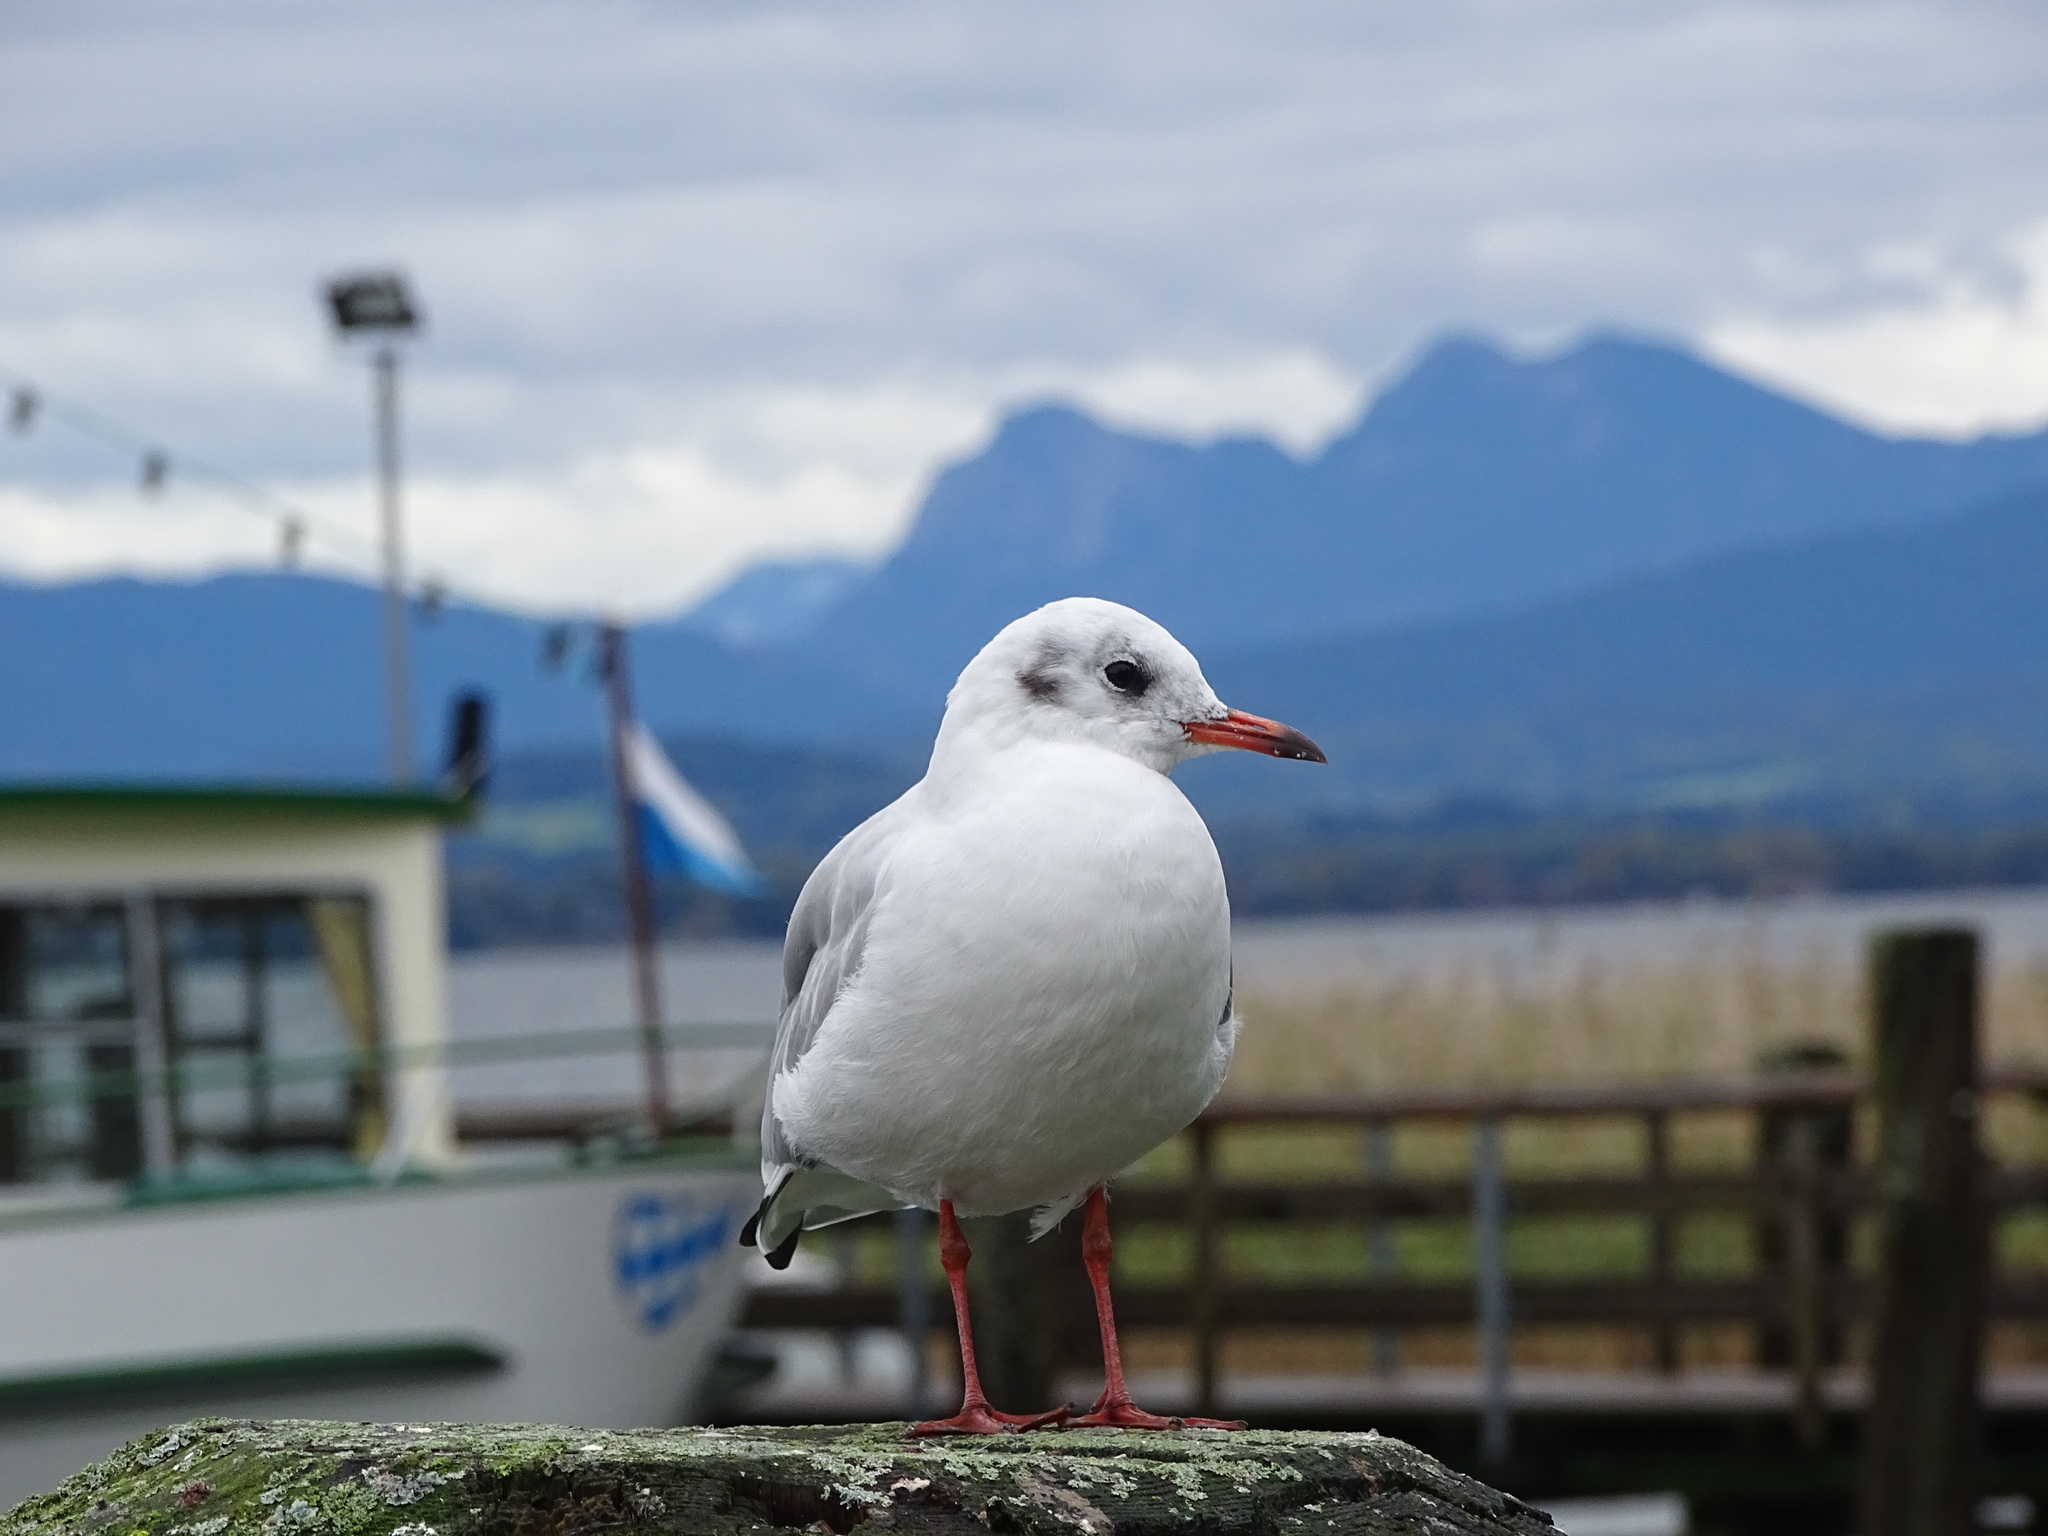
(1114, 1409)
(975, 1416)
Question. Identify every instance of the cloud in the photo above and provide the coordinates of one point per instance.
(1964, 357)
(636, 534)
(1298, 397)
(783, 257)
(639, 533)
(107, 532)
(643, 529)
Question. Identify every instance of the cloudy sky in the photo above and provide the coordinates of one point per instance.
(708, 281)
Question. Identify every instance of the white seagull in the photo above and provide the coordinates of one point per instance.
(1015, 981)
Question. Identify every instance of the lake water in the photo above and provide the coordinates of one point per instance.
(1315, 954)
(497, 993)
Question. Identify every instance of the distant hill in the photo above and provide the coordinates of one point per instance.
(277, 675)
(1863, 711)
(1475, 483)
(777, 601)
(1906, 660)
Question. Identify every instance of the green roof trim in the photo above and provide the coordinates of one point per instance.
(202, 1376)
(236, 800)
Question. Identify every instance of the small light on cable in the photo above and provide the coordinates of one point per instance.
(291, 537)
(21, 411)
(156, 469)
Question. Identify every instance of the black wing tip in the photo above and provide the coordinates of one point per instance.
(750, 1234)
(778, 1258)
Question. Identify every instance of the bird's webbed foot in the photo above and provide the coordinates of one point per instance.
(980, 1419)
(1121, 1413)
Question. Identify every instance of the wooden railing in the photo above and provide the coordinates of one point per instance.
(1801, 1191)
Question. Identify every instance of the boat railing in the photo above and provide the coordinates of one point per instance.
(529, 1118)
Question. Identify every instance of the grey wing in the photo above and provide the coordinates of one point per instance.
(826, 944)
(823, 952)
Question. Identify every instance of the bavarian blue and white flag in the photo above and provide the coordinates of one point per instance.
(678, 828)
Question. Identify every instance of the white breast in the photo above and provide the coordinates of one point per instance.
(1012, 1039)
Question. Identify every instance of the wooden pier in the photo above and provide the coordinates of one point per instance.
(1811, 1291)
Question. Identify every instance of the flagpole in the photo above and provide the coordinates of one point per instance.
(639, 889)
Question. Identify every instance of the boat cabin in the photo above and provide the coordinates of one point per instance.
(199, 982)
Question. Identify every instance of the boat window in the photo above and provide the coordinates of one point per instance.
(66, 1017)
(267, 1001)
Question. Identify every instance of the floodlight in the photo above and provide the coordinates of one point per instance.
(371, 301)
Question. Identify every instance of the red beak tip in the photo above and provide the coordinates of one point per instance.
(1252, 733)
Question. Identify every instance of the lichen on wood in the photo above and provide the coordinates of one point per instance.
(220, 1477)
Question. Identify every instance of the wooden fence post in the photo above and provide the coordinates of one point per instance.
(1017, 1287)
(1490, 1284)
(1806, 1305)
(1922, 1436)
(845, 1250)
(1379, 1167)
(914, 1307)
(1657, 1147)
(1202, 1290)
(1803, 1242)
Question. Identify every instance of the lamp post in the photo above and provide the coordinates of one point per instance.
(378, 305)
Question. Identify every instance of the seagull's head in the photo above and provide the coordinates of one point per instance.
(1088, 671)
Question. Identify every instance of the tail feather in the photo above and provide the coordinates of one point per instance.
(801, 1200)
(1052, 1213)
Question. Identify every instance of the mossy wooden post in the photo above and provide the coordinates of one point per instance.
(1923, 1432)
(228, 1478)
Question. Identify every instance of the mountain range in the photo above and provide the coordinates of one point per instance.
(279, 675)
(1613, 577)
(1476, 483)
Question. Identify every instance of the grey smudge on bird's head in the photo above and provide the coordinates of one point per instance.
(1041, 679)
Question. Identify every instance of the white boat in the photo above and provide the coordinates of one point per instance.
(229, 1176)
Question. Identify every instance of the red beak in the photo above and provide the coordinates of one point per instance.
(1251, 734)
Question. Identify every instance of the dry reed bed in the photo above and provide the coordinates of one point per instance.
(1717, 1014)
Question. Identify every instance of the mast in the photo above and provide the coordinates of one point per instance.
(633, 864)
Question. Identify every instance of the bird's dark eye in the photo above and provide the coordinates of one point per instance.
(1127, 677)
